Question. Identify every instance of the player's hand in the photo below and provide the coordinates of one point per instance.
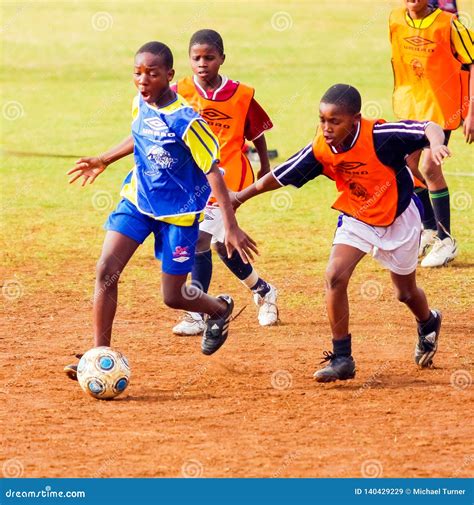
(88, 169)
(234, 200)
(468, 128)
(439, 153)
(237, 239)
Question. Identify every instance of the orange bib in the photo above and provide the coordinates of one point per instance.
(367, 188)
(227, 121)
(428, 78)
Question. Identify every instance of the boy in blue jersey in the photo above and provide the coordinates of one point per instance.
(379, 212)
(176, 166)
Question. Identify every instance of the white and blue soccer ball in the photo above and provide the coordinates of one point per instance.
(103, 372)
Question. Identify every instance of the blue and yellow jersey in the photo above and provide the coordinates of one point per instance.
(173, 148)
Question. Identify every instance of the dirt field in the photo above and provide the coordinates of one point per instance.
(251, 410)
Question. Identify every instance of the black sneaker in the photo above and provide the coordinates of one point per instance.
(217, 329)
(427, 344)
(71, 370)
(340, 368)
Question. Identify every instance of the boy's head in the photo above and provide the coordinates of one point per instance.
(416, 6)
(153, 70)
(339, 113)
(206, 53)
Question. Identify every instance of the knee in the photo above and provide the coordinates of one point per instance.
(174, 299)
(403, 295)
(108, 270)
(221, 250)
(335, 279)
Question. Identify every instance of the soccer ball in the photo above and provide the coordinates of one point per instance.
(103, 372)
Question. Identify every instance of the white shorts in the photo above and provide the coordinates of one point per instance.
(395, 246)
(213, 223)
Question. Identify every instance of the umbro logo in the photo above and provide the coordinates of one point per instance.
(155, 123)
(214, 115)
(350, 165)
(418, 41)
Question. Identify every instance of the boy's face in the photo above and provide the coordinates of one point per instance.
(416, 5)
(151, 77)
(205, 61)
(336, 124)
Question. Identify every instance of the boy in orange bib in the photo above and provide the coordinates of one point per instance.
(233, 114)
(379, 213)
(429, 49)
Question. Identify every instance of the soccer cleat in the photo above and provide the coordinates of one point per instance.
(427, 344)
(192, 324)
(426, 241)
(217, 329)
(340, 368)
(71, 370)
(268, 311)
(442, 253)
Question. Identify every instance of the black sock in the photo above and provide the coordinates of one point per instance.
(440, 200)
(261, 287)
(236, 265)
(426, 327)
(343, 346)
(202, 270)
(429, 221)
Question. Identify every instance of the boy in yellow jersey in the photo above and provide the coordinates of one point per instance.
(429, 49)
(233, 115)
(176, 165)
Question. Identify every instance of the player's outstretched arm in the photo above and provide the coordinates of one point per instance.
(235, 237)
(435, 134)
(266, 183)
(90, 167)
(260, 144)
(468, 126)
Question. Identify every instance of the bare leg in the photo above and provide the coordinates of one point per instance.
(411, 295)
(342, 262)
(116, 252)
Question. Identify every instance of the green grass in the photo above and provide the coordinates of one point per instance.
(74, 87)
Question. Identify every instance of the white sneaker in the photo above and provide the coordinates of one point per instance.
(192, 324)
(442, 253)
(268, 311)
(426, 241)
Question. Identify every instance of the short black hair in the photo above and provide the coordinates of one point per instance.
(159, 49)
(345, 96)
(210, 37)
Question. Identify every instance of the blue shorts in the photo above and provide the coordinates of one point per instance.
(175, 246)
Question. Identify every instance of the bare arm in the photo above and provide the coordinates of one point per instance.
(260, 144)
(235, 237)
(90, 167)
(266, 183)
(468, 127)
(435, 134)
